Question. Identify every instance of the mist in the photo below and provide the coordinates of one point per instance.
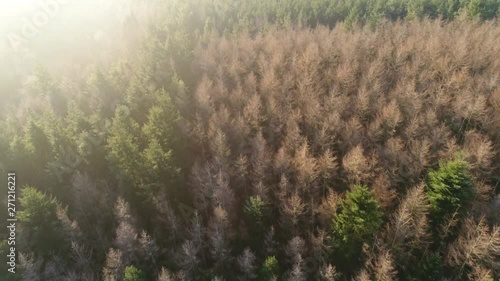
(65, 36)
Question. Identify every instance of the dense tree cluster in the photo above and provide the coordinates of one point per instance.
(264, 141)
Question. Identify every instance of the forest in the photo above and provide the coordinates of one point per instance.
(286, 140)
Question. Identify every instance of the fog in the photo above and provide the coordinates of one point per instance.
(65, 36)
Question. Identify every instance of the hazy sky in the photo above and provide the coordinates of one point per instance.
(46, 29)
(12, 8)
(52, 22)
(61, 34)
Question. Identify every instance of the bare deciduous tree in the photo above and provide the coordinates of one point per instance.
(246, 263)
(148, 248)
(328, 273)
(356, 165)
(70, 227)
(188, 258)
(259, 158)
(292, 210)
(328, 207)
(30, 266)
(477, 244)
(305, 166)
(408, 227)
(166, 215)
(384, 268)
(362, 276)
(126, 232)
(297, 273)
(165, 275)
(218, 234)
(295, 248)
(113, 269)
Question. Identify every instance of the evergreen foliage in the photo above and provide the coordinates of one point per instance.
(358, 221)
(257, 212)
(38, 215)
(134, 274)
(269, 268)
(430, 268)
(360, 216)
(450, 190)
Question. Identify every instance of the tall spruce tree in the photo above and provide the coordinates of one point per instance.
(39, 221)
(360, 218)
(450, 191)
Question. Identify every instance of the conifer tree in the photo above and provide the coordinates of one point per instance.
(36, 146)
(122, 143)
(132, 273)
(38, 217)
(450, 191)
(359, 219)
(270, 268)
(257, 213)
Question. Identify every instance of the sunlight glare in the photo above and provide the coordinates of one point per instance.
(11, 8)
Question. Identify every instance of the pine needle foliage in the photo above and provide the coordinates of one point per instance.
(360, 216)
(450, 189)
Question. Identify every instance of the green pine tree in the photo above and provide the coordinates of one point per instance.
(269, 268)
(132, 273)
(256, 211)
(360, 217)
(449, 190)
(483, 9)
(356, 224)
(38, 218)
(122, 143)
(258, 214)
